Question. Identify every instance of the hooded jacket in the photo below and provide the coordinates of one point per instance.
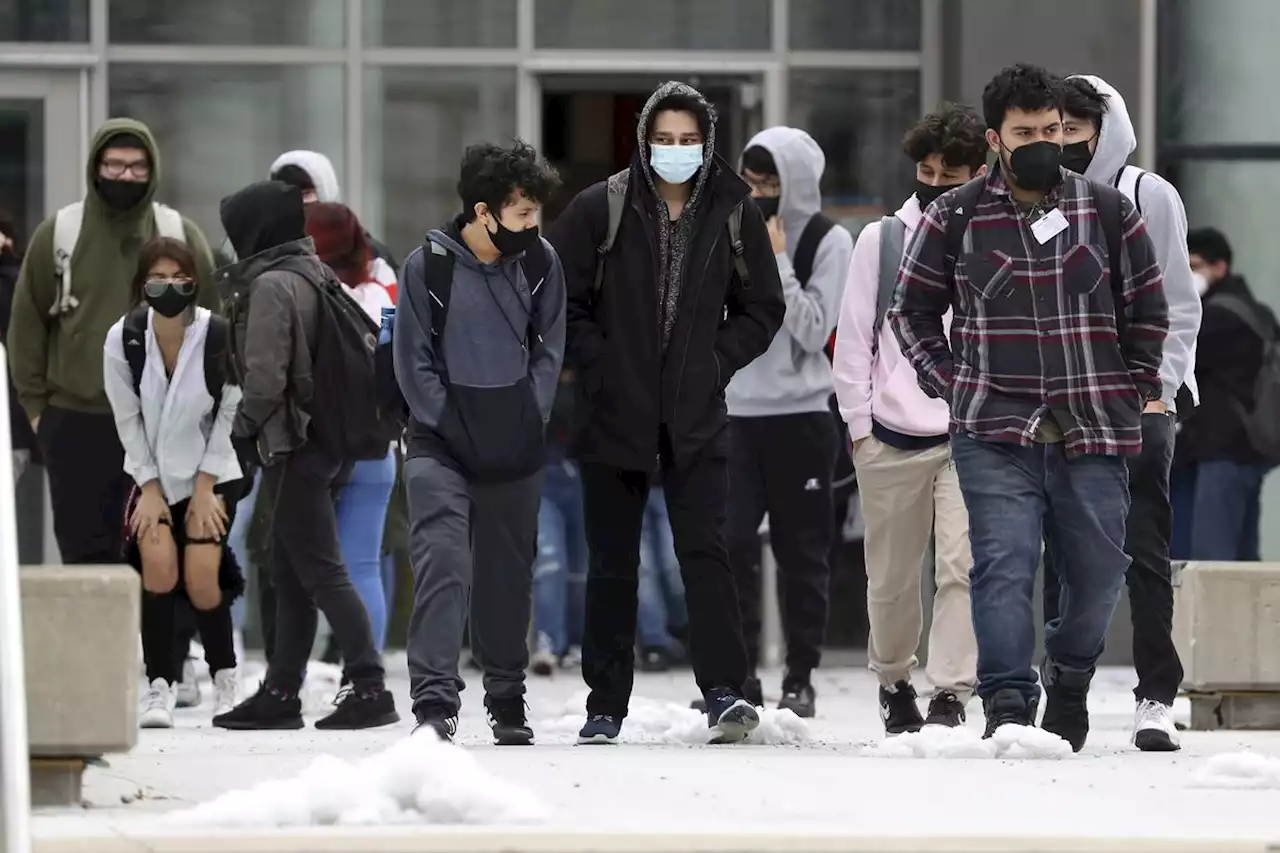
(480, 402)
(633, 384)
(1166, 219)
(57, 360)
(794, 375)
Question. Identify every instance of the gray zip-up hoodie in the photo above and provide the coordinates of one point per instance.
(794, 375)
(481, 401)
(1166, 219)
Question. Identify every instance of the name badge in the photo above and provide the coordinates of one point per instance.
(1048, 226)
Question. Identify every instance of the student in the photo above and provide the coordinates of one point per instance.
(173, 397)
(1058, 321)
(478, 344)
(906, 476)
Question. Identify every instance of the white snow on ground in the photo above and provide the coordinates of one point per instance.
(1239, 770)
(650, 721)
(1008, 742)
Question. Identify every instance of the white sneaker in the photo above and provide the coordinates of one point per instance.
(1153, 728)
(156, 709)
(226, 691)
(543, 661)
(572, 659)
(189, 690)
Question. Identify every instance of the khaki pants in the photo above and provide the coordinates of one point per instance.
(907, 496)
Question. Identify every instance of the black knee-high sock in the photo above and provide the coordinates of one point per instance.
(158, 637)
(217, 635)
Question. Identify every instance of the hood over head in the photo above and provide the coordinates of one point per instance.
(706, 121)
(1116, 138)
(111, 130)
(800, 164)
(262, 216)
(315, 164)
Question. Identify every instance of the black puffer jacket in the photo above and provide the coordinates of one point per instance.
(20, 432)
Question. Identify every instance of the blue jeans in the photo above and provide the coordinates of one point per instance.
(362, 515)
(237, 539)
(560, 571)
(1216, 511)
(1018, 498)
(661, 591)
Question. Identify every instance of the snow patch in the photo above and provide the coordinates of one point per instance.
(420, 780)
(1009, 742)
(1239, 770)
(650, 721)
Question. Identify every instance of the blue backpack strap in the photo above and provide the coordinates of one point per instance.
(134, 340)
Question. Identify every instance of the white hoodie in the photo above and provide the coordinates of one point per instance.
(1166, 219)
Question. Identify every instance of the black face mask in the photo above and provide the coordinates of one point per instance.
(1077, 156)
(122, 195)
(509, 242)
(1035, 165)
(927, 195)
(170, 302)
(768, 206)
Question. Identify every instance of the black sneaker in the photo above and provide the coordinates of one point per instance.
(361, 708)
(1066, 705)
(898, 709)
(269, 709)
(443, 723)
(1008, 707)
(730, 717)
(752, 691)
(655, 659)
(797, 697)
(600, 729)
(945, 709)
(507, 719)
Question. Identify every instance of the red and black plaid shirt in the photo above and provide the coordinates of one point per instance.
(1034, 326)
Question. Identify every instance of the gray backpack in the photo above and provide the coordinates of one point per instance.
(893, 237)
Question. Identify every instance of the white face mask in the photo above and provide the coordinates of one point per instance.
(1202, 283)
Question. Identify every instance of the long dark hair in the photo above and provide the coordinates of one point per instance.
(162, 248)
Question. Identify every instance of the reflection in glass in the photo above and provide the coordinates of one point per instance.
(22, 164)
(44, 20)
(654, 24)
(854, 25)
(440, 23)
(220, 127)
(319, 23)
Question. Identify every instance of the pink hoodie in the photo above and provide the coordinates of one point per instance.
(883, 388)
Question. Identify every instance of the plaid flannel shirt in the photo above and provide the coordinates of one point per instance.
(1034, 326)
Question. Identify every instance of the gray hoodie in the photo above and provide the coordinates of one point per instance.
(1166, 220)
(794, 375)
(481, 404)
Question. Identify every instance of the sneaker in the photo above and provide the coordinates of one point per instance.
(226, 691)
(572, 659)
(443, 723)
(543, 661)
(1008, 707)
(600, 729)
(1153, 728)
(945, 709)
(1066, 705)
(155, 711)
(730, 717)
(797, 697)
(268, 709)
(189, 688)
(752, 691)
(898, 709)
(361, 708)
(508, 721)
(655, 659)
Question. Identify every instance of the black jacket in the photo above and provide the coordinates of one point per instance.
(21, 435)
(632, 390)
(1228, 358)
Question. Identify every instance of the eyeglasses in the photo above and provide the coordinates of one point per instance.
(156, 286)
(113, 168)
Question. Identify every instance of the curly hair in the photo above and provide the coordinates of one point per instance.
(1029, 88)
(1082, 100)
(955, 131)
(493, 174)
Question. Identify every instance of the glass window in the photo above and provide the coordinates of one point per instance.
(440, 23)
(220, 127)
(318, 23)
(654, 25)
(44, 20)
(858, 117)
(855, 25)
(417, 122)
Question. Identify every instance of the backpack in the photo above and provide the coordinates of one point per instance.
(893, 239)
(815, 230)
(616, 197)
(1128, 180)
(66, 233)
(1262, 424)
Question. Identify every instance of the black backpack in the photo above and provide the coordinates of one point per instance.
(1262, 422)
(817, 228)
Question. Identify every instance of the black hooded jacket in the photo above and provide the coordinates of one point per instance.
(634, 386)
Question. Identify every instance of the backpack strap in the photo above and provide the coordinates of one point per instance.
(893, 238)
(168, 222)
(815, 230)
(1128, 180)
(437, 274)
(133, 338)
(735, 246)
(66, 233)
(962, 210)
(1247, 313)
(1110, 204)
(616, 198)
(215, 359)
(535, 264)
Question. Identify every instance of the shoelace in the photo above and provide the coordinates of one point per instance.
(154, 700)
(342, 694)
(1151, 711)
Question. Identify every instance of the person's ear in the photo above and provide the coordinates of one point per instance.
(993, 140)
(982, 170)
(480, 210)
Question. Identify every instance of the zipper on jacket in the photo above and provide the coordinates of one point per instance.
(688, 335)
(651, 241)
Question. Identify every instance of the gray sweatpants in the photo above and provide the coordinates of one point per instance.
(472, 545)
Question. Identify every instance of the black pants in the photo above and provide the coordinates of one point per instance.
(87, 484)
(307, 572)
(1149, 577)
(613, 504)
(783, 465)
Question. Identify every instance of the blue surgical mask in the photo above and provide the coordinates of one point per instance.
(675, 164)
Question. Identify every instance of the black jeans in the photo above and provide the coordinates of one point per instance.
(613, 504)
(308, 572)
(783, 465)
(87, 484)
(1149, 577)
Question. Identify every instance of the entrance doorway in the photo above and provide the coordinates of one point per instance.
(42, 156)
(589, 122)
